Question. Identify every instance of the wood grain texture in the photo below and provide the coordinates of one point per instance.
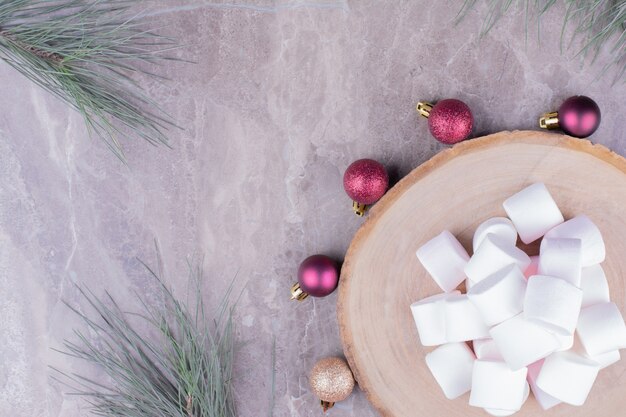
(456, 190)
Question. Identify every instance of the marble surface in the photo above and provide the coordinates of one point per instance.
(282, 97)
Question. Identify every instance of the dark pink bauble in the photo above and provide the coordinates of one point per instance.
(579, 116)
(318, 275)
(365, 181)
(450, 121)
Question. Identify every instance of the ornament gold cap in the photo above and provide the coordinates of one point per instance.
(326, 405)
(549, 120)
(424, 108)
(359, 209)
(297, 293)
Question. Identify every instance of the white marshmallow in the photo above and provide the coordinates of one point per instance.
(553, 303)
(430, 319)
(601, 329)
(499, 296)
(499, 413)
(505, 413)
(487, 349)
(546, 401)
(565, 341)
(568, 377)
(561, 258)
(495, 386)
(463, 321)
(445, 259)
(492, 255)
(452, 365)
(499, 226)
(581, 227)
(606, 359)
(522, 342)
(533, 267)
(594, 285)
(533, 212)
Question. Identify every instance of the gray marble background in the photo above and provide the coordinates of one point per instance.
(284, 95)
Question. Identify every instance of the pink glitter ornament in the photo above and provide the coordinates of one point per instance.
(450, 121)
(365, 182)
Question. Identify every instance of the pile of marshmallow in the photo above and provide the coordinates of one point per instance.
(543, 323)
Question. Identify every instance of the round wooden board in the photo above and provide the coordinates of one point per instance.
(456, 190)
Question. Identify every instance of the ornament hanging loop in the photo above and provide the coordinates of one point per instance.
(326, 405)
(297, 293)
(424, 108)
(549, 120)
(359, 209)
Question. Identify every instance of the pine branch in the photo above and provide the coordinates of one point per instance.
(185, 372)
(86, 52)
(597, 22)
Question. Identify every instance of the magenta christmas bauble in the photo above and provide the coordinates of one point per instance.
(318, 275)
(365, 181)
(579, 116)
(450, 121)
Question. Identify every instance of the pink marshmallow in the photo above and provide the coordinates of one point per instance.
(533, 267)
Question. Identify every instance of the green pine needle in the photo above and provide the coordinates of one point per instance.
(596, 22)
(85, 53)
(185, 372)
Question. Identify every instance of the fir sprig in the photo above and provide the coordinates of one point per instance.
(596, 22)
(86, 52)
(183, 371)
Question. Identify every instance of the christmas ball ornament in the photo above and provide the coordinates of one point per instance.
(331, 380)
(578, 116)
(365, 182)
(450, 121)
(317, 276)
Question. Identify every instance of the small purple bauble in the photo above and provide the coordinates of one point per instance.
(318, 275)
(579, 116)
(450, 121)
(365, 181)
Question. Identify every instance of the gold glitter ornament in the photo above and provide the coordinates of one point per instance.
(331, 380)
